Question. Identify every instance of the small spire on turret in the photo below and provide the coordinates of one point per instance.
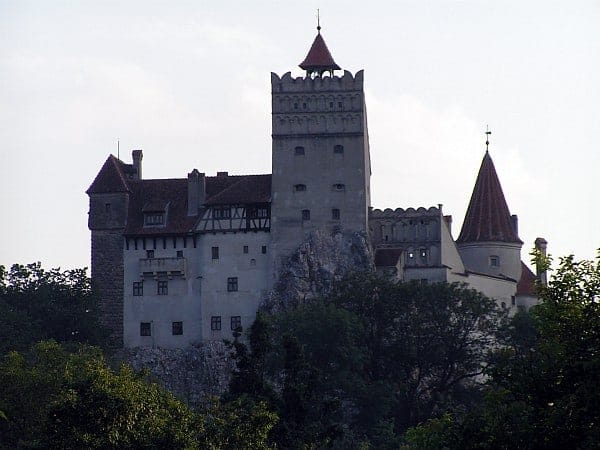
(487, 138)
(318, 22)
(319, 59)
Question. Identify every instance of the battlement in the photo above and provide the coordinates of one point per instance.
(288, 84)
(400, 213)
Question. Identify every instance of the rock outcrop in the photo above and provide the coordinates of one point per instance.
(320, 261)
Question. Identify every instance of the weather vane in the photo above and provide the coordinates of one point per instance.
(487, 137)
(318, 22)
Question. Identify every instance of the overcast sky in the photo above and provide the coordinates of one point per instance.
(189, 83)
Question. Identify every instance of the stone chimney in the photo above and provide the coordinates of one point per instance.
(196, 191)
(136, 156)
(515, 223)
(540, 245)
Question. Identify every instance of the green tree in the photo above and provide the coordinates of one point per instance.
(542, 389)
(38, 304)
(56, 399)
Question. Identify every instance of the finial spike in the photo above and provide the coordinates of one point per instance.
(318, 22)
(487, 138)
(118, 149)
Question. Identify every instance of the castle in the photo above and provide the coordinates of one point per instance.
(179, 261)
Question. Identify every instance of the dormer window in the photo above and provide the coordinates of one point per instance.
(154, 219)
(299, 187)
(338, 149)
(494, 261)
(339, 187)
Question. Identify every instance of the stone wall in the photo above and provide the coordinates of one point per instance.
(107, 280)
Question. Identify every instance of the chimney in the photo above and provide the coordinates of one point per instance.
(540, 245)
(196, 191)
(448, 220)
(515, 223)
(137, 156)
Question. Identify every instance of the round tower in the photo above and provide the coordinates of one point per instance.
(489, 241)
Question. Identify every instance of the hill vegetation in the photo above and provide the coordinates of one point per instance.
(373, 365)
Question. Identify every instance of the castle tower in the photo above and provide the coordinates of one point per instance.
(109, 204)
(320, 152)
(489, 242)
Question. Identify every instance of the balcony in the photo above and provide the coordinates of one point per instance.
(169, 266)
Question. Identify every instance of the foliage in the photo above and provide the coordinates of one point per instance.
(357, 368)
(542, 389)
(56, 399)
(37, 305)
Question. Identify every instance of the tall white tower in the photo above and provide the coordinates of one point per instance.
(321, 163)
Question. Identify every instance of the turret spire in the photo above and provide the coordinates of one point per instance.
(319, 59)
(487, 138)
(488, 218)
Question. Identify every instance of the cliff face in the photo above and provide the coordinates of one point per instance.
(192, 374)
(316, 265)
(197, 372)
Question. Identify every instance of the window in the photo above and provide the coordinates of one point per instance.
(177, 328)
(331, 104)
(513, 300)
(299, 150)
(339, 149)
(263, 249)
(335, 214)
(299, 187)
(107, 208)
(295, 105)
(180, 253)
(411, 255)
(162, 287)
(145, 329)
(340, 104)
(245, 249)
(306, 214)
(149, 254)
(215, 323)
(252, 262)
(303, 105)
(339, 187)
(215, 252)
(494, 261)
(232, 284)
(503, 305)
(222, 212)
(154, 218)
(236, 322)
(423, 253)
(138, 288)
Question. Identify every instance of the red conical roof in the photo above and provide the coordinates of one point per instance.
(488, 218)
(319, 59)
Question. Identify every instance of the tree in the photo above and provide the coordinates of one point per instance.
(542, 388)
(37, 305)
(56, 399)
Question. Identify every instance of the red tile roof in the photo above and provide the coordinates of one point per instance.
(238, 189)
(488, 217)
(111, 177)
(526, 285)
(318, 57)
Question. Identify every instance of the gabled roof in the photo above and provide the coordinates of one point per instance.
(526, 285)
(171, 197)
(488, 218)
(111, 178)
(238, 189)
(319, 58)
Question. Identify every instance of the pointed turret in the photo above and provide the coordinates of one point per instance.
(319, 59)
(488, 218)
(489, 240)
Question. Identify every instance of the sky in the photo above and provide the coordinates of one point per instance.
(189, 83)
